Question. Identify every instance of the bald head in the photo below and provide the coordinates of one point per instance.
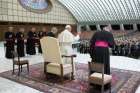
(44, 29)
(54, 30)
(33, 29)
(10, 28)
(107, 28)
(22, 30)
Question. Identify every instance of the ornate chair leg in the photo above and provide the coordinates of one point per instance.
(28, 67)
(13, 69)
(45, 72)
(102, 89)
(110, 87)
(61, 76)
(21, 68)
(62, 79)
(18, 70)
(72, 75)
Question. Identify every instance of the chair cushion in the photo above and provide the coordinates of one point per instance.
(21, 62)
(96, 78)
(55, 68)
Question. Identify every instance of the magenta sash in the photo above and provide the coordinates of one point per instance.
(101, 44)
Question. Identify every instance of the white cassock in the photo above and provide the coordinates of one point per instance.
(66, 38)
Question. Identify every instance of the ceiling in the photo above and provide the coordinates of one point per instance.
(104, 11)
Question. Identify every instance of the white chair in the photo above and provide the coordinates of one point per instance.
(98, 77)
(53, 59)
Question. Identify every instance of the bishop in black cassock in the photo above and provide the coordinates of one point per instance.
(40, 35)
(20, 42)
(31, 41)
(10, 42)
(99, 45)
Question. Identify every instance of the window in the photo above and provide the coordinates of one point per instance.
(128, 27)
(93, 27)
(38, 6)
(116, 27)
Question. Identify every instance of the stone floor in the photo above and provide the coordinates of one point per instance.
(8, 86)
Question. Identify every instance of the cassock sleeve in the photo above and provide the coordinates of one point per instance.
(93, 40)
(111, 40)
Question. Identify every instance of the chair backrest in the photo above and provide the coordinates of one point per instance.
(51, 50)
(97, 67)
(15, 56)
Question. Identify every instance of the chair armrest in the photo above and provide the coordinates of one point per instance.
(72, 57)
(68, 56)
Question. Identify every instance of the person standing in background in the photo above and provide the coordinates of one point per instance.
(41, 34)
(31, 41)
(20, 42)
(53, 32)
(10, 42)
(99, 45)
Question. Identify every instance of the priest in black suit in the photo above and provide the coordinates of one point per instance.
(40, 35)
(20, 42)
(31, 41)
(10, 42)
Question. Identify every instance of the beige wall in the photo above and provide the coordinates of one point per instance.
(11, 10)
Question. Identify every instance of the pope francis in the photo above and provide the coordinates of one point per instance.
(66, 38)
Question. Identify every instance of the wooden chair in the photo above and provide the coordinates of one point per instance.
(19, 63)
(54, 60)
(98, 77)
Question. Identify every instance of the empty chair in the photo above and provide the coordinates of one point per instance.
(97, 76)
(19, 63)
(54, 63)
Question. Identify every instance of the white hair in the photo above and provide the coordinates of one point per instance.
(107, 28)
(67, 26)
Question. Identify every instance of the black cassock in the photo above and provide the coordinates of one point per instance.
(10, 42)
(40, 35)
(101, 54)
(20, 44)
(31, 41)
